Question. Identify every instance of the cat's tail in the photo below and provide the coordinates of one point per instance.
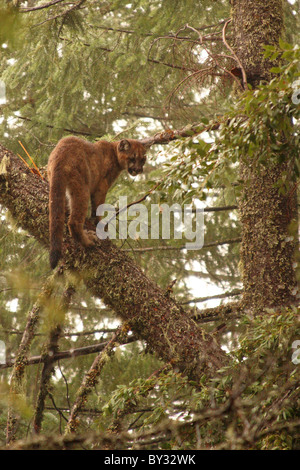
(57, 202)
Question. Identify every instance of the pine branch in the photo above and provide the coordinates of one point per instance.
(67, 354)
(181, 247)
(219, 209)
(75, 6)
(160, 138)
(167, 136)
(72, 333)
(132, 404)
(40, 7)
(65, 129)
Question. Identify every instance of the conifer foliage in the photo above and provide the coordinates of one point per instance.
(143, 344)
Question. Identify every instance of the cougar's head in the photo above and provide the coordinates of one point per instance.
(131, 156)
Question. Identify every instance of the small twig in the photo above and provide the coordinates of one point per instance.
(30, 159)
(40, 7)
(213, 56)
(72, 131)
(183, 247)
(24, 161)
(66, 12)
(70, 353)
(245, 85)
(211, 297)
(138, 201)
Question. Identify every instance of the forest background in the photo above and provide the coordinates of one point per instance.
(148, 345)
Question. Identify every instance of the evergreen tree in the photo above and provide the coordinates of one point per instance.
(211, 87)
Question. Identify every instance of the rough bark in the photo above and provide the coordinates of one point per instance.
(256, 23)
(115, 278)
(267, 216)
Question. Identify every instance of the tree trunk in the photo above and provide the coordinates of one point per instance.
(112, 276)
(267, 217)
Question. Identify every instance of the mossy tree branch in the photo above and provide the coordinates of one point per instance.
(112, 276)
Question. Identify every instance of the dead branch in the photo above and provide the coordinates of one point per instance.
(16, 380)
(211, 297)
(49, 360)
(167, 136)
(67, 354)
(40, 7)
(91, 378)
(245, 85)
(181, 247)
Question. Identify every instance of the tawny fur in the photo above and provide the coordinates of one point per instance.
(85, 171)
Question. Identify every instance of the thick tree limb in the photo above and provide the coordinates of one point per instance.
(112, 276)
(161, 138)
(169, 135)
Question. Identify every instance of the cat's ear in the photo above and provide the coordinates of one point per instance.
(124, 145)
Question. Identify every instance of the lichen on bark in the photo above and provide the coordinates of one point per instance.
(268, 216)
(256, 23)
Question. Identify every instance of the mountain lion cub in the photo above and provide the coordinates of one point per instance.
(83, 170)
